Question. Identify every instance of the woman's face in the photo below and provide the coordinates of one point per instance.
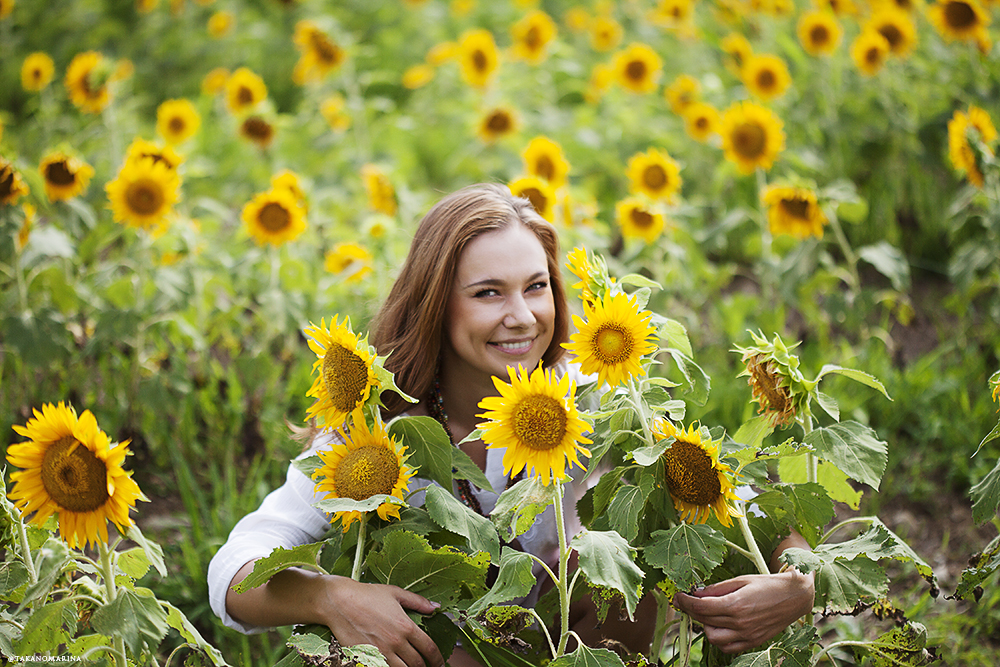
(500, 312)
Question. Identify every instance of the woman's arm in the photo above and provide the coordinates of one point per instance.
(746, 611)
(356, 613)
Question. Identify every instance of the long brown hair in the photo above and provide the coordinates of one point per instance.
(410, 322)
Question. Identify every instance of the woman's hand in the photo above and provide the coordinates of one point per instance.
(744, 612)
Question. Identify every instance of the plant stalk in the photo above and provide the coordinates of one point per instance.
(758, 558)
(561, 583)
(359, 551)
(108, 571)
(660, 627)
(684, 641)
(26, 552)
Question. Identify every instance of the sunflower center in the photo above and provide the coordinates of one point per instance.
(797, 208)
(691, 475)
(892, 34)
(766, 79)
(177, 124)
(257, 128)
(479, 61)
(545, 168)
(74, 477)
(6, 183)
(244, 96)
(873, 55)
(654, 176)
(819, 35)
(274, 217)
(701, 122)
(613, 343)
(749, 139)
(533, 39)
(498, 122)
(537, 198)
(145, 196)
(540, 422)
(345, 375)
(959, 15)
(365, 472)
(59, 174)
(635, 70)
(326, 51)
(641, 219)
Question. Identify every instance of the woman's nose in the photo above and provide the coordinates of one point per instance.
(518, 314)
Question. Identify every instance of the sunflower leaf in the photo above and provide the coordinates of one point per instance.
(138, 619)
(451, 514)
(51, 558)
(687, 553)
(152, 550)
(518, 506)
(624, 510)
(333, 505)
(700, 383)
(986, 495)
(13, 575)
(365, 654)
(178, 621)
(606, 560)
(858, 376)
(901, 646)
(515, 580)
(854, 449)
(429, 446)
(981, 567)
(584, 656)
(308, 465)
(811, 507)
(48, 626)
(305, 555)
(792, 649)
(675, 336)
(792, 470)
(465, 468)
(841, 583)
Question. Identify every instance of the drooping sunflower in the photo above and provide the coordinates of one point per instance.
(350, 260)
(320, 55)
(274, 217)
(37, 71)
(538, 191)
(177, 121)
(258, 130)
(69, 467)
(637, 68)
(605, 33)
(65, 175)
(369, 463)
(654, 174)
(496, 123)
(531, 36)
(244, 90)
(752, 136)
(12, 186)
(381, 193)
(737, 50)
(869, 52)
(345, 372)
(701, 121)
(896, 26)
(536, 420)
(819, 33)
(141, 149)
(639, 220)
(960, 151)
(766, 76)
(544, 158)
(776, 383)
(682, 93)
(794, 211)
(698, 481)
(333, 109)
(144, 193)
(959, 19)
(417, 76)
(613, 339)
(87, 80)
(478, 57)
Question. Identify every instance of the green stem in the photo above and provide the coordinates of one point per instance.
(766, 250)
(360, 549)
(684, 642)
(827, 649)
(108, 571)
(541, 624)
(812, 463)
(637, 403)
(737, 548)
(563, 572)
(840, 525)
(757, 557)
(660, 627)
(26, 552)
(22, 286)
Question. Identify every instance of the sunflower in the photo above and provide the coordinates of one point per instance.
(345, 372)
(594, 278)
(819, 33)
(333, 111)
(601, 78)
(701, 121)
(775, 380)
(752, 136)
(381, 193)
(613, 339)
(65, 176)
(737, 50)
(638, 220)
(177, 121)
(674, 14)
(144, 193)
(289, 180)
(577, 19)
(959, 19)
(349, 260)
(215, 81)
(441, 53)
(682, 93)
(417, 76)
(478, 57)
(532, 35)
(320, 54)
(274, 217)
(141, 149)
(24, 233)
(544, 158)
(637, 68)
(538, 191)
(37, 71)
(793, 211)
(87, 80)
(605, 33)
(839, 7)
(870, 51)
(369, 463)
(961, 152)
(244, 90)
(258, 130)
(654, 174)
(766, 76)
(69, 467)
(12, 187)
(497, 122)
(6, 7)
(896, 26)
(536, 420)
(697, 480)
(220, 24)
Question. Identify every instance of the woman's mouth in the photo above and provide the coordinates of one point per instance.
(517, 347)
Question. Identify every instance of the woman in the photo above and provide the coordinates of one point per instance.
(480, 291)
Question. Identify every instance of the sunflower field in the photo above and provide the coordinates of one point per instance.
(785, 191)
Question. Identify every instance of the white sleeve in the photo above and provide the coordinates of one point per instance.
(286, 518)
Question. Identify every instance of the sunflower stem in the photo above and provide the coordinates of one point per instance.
(684, 642)
(660, 626)
(360, 549)
(757, 557)
(812, 462)
(766, 240)
(845, 247)
(563, 572)
(108, 572)
(545, 630)
(26, 552)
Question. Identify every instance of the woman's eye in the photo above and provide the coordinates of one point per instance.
(485, 292)
(541, 284)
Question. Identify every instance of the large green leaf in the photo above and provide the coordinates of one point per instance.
(623, 513)
(756, 452)
(444, 575)
(305, 555)
(13, 575)
(675, 335)
(687, 554)
(701, 384)
(334, 505)
(899, 550)
(606, 560)
(793, 649)
(518, 506)
(857, 376)
(429, 447)
(854, 449)
(311, 645)
(448, 512)
(751, 433)
(178, 621)
(49, 564)
(792, 470)
(901, 646)
(981, 567)
(584, 656)
(841, 583)
(986, 495)
(812, 507)
(139, 620)
(465, 468)
(134, 563)
(365, 654)
(514, 580)
(48, 626)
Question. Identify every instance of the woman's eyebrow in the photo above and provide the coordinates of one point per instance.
(491, 282)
